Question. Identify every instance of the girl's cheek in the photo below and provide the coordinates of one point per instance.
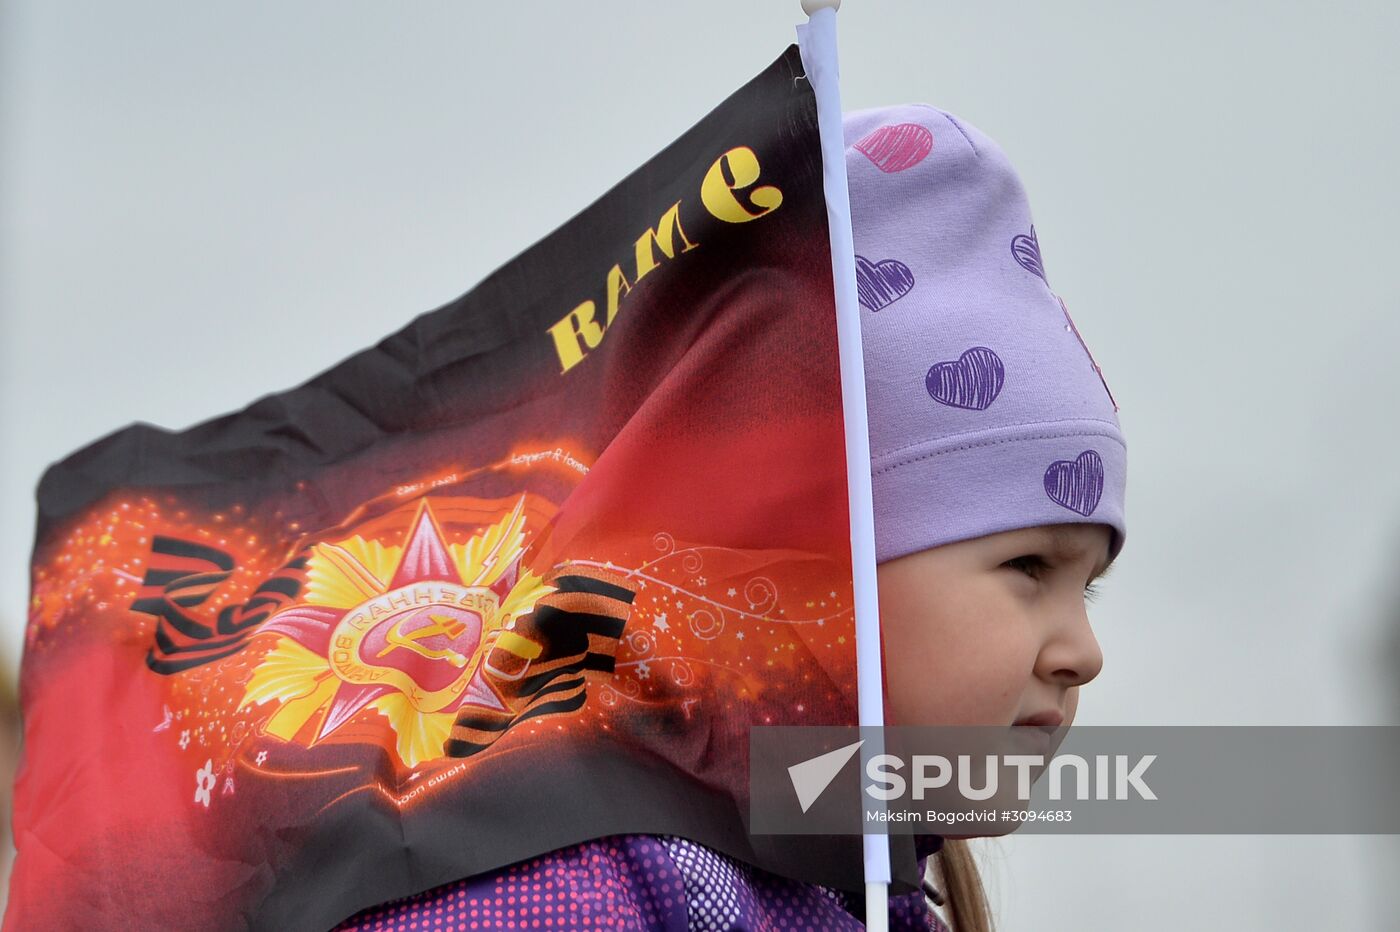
(909, 692)
(923, 688)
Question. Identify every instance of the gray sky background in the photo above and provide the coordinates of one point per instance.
(204, 203)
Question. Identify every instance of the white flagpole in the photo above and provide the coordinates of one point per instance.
(817, 39)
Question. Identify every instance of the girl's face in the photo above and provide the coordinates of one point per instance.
(993, 630)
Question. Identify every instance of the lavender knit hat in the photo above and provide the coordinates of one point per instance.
(987, 412)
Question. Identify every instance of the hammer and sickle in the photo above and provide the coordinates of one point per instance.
(441, 624)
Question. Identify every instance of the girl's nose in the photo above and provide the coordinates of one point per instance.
(1070, 655)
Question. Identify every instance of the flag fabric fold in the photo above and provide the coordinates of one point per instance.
(520, 575)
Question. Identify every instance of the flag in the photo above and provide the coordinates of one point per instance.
(522, 574)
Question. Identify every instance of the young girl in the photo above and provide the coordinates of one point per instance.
(998, 475)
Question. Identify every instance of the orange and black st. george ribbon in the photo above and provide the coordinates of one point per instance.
(182, 575)
(542, 666)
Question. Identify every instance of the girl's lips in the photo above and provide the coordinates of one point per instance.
(1049, 720)
(1040, 733)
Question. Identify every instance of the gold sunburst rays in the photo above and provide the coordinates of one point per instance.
(419, 736)
(344, 574)
(483, 559)
(286, 672)
(349, 580)
(297, 678)
(521, 599)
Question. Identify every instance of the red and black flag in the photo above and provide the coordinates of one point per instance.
(522, 574)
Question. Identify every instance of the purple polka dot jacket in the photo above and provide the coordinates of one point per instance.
(638, 882)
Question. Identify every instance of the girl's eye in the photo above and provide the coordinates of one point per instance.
(1031, 565)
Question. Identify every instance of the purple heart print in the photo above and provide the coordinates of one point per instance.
(1026, 249)
(971, 381)
(880, 284)
(1076, 484)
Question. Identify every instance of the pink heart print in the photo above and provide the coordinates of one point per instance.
(896, 147)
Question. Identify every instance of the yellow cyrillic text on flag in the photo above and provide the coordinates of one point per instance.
(728, 194)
